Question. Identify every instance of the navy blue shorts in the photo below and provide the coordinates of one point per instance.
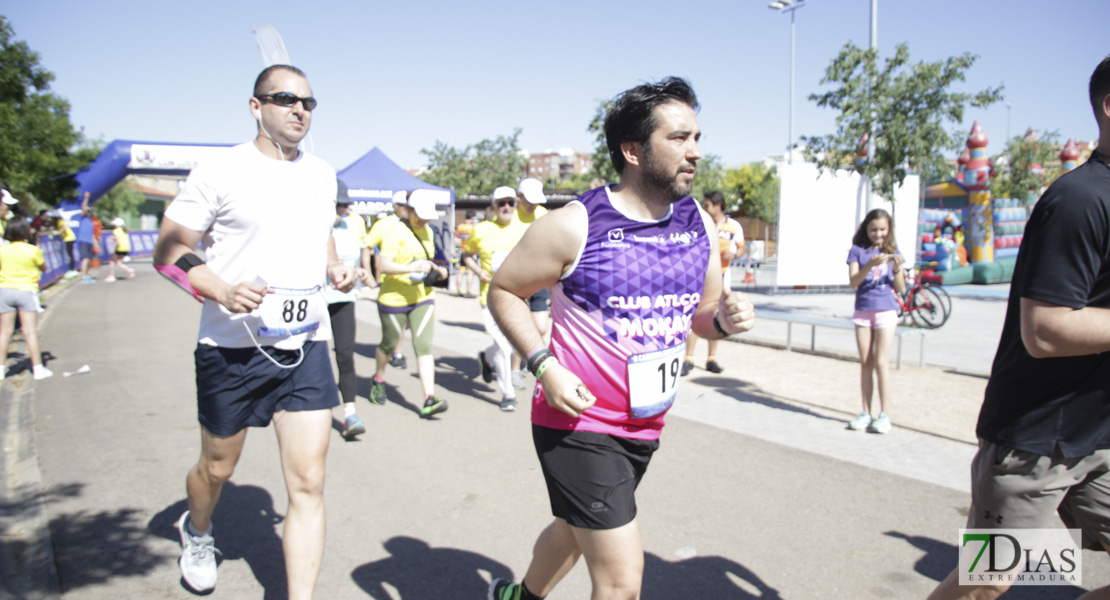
(85, 251)
(239, 387)
(540, 301)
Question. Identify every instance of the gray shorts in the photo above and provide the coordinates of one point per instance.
(18, 300)
(1015, 489)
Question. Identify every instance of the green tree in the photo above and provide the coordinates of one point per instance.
(755, 187)
(710, 176)
(1012, 177)
(39, 147)
(602, 167)
(477, 168)
(120, 201)
(908, 106)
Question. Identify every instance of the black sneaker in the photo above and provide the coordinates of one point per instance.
(398, 361)
(713, 367)
(487, 371)
(687, 366)
(433, 406)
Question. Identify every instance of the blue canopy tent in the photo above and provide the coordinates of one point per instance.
(373, 179)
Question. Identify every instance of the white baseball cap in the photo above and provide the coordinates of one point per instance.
(8, 199)
(118, 222)
(400, 197)
(532, 190)
(423, 203)
(503, 192)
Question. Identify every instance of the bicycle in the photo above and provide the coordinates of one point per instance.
(923, 304)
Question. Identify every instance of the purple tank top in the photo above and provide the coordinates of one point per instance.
(621, 316)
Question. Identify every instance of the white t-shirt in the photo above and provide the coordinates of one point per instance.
(264, 219)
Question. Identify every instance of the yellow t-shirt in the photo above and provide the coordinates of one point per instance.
(378, 229)
(67, 232)
(357, 224)
(19, 266)
(526, 218)
(492, 242)
(399, 243)
(123, 240)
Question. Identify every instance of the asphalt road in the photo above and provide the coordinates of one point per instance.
(758, 491)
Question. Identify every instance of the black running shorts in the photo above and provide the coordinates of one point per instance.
(592, 477)
(239, 387)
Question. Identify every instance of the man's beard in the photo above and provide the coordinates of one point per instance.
(658, 177)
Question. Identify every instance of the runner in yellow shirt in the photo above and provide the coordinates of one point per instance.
(123, 248)
(490, 244)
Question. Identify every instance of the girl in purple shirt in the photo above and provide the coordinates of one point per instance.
(875, 270)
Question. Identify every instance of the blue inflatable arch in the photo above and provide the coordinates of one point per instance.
(124, 157)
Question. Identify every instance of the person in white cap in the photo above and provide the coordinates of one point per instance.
(408, 298)
(530, 208)
(123, 248)
(6, 208)
(490, 243)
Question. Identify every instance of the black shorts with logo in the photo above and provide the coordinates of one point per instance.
(592, 477)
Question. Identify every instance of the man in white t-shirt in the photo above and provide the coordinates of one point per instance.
(263, 214)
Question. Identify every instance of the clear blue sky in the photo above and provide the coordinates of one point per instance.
(401, 75)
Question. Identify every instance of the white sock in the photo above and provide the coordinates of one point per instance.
(348, 409)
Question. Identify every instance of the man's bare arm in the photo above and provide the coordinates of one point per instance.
(732, 310)
(174, 242)
(1050, 330)
(543, 255)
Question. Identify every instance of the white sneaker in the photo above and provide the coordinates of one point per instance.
(41, 372)
(109, 279)
(3, 372)
(880, 425)
(862, 421)
(198, 558)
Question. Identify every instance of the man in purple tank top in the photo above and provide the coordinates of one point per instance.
(631, 272)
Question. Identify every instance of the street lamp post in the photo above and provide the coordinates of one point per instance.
(1008, 122)
(789, 6)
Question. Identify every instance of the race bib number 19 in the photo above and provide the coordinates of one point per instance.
(287, 312)
(653, 381)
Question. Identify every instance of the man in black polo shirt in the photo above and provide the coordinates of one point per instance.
(1044, 427)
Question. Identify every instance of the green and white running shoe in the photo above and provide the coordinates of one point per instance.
(377, 393)
(504, 590)
(433, 406)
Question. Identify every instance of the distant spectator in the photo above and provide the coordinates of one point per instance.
(21, 266)
(123, 248)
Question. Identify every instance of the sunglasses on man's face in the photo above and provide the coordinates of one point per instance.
(503, 203)
(287, 99)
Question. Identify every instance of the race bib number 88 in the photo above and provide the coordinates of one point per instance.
(287, 312)
(653, 381)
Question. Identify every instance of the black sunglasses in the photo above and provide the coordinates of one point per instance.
(287, 99)
(501, 203)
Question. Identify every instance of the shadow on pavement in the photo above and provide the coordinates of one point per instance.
(93, 548)
(940, 558)
(701, 577)
(245, 525)
(417, 571)
(456, 374)
(465, 325)
(745, 392)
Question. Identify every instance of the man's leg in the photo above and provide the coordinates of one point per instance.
(218, 457)
(303, 438)
(615, 558)
(553, 556)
